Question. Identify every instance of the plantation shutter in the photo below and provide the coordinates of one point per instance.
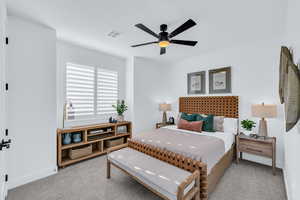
(107, 91)
(80, 91)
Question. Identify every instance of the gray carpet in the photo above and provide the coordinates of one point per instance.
(86, 181)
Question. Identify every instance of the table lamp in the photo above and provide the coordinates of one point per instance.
(263, 111)
(164, 107)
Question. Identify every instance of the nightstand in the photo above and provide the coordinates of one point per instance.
(259, 146)
(159, 125)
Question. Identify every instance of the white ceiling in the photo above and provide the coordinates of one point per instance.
(220, 23)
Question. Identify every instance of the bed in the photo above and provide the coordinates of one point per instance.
(214, 151)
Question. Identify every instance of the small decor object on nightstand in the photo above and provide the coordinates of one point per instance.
(120, 108)
(263, 111)
(171, 120)
(164, 107)
(160, 125)
(248, 125)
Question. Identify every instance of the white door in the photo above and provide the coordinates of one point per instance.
(3, 93)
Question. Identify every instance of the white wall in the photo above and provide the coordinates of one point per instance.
(129, 115)
(31, 118)
(292, 138)
(149, 92)
(36, 63)
(254, 80)
(67, 52)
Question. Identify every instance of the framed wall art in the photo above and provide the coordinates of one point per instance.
(220, 80)
(196, 82)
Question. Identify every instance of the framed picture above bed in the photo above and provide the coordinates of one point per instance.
(196, 82)
(220, 80)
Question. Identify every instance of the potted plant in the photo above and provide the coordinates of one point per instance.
(120, 107)
(248, 125)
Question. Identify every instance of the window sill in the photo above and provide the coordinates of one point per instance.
(82, 122)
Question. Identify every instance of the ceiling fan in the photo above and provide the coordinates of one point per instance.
(165, 38)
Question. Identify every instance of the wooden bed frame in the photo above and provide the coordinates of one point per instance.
(227, 106)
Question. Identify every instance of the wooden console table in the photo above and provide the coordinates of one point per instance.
(97, 138)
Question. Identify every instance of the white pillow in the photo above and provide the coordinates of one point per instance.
(219, 123)
(230, 125)
(178, 117)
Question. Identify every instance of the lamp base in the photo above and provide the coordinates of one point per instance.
(263, 130)
(164, 119)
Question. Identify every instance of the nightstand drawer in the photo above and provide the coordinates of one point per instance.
(256, 148)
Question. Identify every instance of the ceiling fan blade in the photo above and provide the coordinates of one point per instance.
(162, 50)
(188, 24)
(146, 29)
(143, 44)
(184, 42)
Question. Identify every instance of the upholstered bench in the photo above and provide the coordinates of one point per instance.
(165, 180)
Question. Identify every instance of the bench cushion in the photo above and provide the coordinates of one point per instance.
(159, 175)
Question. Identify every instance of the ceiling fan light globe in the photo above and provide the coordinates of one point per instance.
(164, 43)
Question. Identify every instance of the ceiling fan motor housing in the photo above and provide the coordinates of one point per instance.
(163, 36)
(163, 27)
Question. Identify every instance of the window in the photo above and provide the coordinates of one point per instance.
(107, 91)
(90, 91)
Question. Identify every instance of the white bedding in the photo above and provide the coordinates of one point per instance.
(228, 138)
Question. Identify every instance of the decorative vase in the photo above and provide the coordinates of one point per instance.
(76, 137)
(246, 132)
(66, 138)
(120, 118)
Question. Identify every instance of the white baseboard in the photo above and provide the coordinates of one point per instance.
(286, 185)
(15, 182)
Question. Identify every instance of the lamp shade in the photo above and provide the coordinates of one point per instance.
(264, 110)
(164, 107)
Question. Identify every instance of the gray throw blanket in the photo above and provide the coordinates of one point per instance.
(198, 147)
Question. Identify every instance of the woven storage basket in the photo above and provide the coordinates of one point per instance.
(80, 152)
(114, 142)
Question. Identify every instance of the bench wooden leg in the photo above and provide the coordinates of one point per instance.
(197, 185)
(108, 169)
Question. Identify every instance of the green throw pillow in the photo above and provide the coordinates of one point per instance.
(208, 122)
(189, 117)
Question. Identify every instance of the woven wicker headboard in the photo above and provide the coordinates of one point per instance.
(227, 106)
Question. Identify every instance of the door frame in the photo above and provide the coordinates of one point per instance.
(3, 97)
